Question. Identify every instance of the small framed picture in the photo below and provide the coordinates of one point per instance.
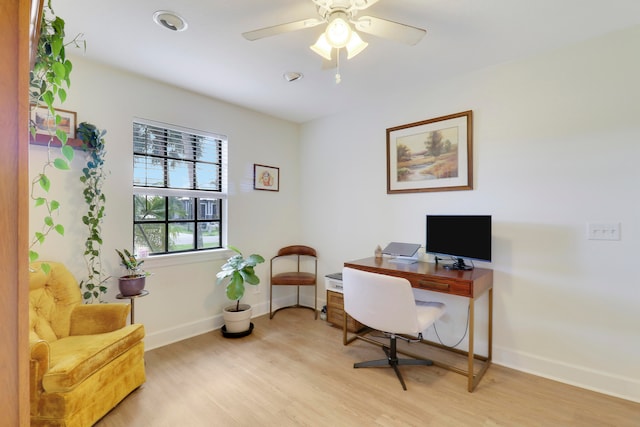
(266, 178)
(45, 124)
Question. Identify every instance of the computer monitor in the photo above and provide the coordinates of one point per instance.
(459, 237)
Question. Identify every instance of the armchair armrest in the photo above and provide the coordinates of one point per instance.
(88, 319)
(38, 366)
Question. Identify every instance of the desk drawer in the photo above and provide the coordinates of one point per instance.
(336, 318)
(335, 312)
(335, 299)
(447, 287)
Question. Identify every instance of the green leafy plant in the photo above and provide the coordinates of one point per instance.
(236, 271)
(49, 81)
(131, 263)
(93, 176)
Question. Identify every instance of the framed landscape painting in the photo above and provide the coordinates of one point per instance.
(431, 155)
(46, 126)
(45, 123)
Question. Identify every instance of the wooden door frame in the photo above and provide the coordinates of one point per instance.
(17, 28)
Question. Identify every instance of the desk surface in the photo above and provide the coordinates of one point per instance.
(432, 277)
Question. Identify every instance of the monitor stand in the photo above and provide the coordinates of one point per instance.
(458, 264)
(404, 259)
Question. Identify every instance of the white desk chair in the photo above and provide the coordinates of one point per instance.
(386, 303)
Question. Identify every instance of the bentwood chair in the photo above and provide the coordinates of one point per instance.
(387, 304)
(301, 257)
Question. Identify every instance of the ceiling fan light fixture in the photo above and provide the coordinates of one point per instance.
(355, 45)
(338, 30)
(322, 47)
(170, 20)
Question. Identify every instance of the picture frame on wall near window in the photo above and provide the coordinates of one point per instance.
(45, 123)
(266, 178)
(431, 155)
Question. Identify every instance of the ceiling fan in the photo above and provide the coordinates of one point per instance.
(340, 16)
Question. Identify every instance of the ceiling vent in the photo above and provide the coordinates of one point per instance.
(292, 76)
(170, 20)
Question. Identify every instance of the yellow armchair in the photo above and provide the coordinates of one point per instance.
(84, 358)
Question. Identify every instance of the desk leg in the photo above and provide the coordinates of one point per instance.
(357, 335)
(472, 317)
(346, 340)
(490, 350)
(344, 330)
(473, 379)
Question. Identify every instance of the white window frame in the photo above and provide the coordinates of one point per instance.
(221, 193)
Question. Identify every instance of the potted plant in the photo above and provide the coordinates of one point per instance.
(133, 283)
(235, 272)
(48, 83)
(93, 178)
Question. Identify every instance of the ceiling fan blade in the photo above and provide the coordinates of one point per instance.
(282, 28)
(395, 31)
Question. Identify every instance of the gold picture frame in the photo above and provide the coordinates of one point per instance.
(431, 155)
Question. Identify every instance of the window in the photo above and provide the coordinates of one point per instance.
(179, 187)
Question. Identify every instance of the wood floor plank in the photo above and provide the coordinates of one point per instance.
(294, 371)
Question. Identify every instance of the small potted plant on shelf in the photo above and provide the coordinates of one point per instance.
(133, 283)
(235, 272)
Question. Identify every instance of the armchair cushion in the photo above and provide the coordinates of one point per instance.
(52, 298)
(75, 358)
(90, 319)
(39, 326)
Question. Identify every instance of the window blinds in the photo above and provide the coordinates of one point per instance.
(170, 160)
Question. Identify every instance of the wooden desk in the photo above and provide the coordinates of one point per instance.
(469, 284)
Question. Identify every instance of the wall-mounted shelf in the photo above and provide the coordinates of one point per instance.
(44, 140)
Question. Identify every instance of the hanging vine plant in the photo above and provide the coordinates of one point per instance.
(93, 176)
(49, 81)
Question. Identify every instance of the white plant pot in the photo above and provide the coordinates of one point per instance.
(237, 321)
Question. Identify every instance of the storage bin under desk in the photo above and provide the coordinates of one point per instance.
(335, 306)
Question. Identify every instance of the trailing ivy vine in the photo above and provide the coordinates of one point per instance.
(49, 81)
(93, 176)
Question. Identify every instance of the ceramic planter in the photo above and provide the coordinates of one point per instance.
(131, 285)
(237, 321)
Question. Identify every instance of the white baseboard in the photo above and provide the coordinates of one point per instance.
(181, 332)
(579, 376)
(188, 330)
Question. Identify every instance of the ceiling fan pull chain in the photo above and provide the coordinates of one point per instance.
(338, 77)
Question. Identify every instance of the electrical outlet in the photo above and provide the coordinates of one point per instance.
(603, 231)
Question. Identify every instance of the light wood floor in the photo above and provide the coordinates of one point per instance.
(294, 371)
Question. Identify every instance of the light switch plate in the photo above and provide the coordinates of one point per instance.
(603, 231)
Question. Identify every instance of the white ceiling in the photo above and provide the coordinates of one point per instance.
(212, 58)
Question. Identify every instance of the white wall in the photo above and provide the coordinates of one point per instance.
(556, 145)
(183, 299)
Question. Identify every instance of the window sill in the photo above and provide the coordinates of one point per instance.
(169, 260)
